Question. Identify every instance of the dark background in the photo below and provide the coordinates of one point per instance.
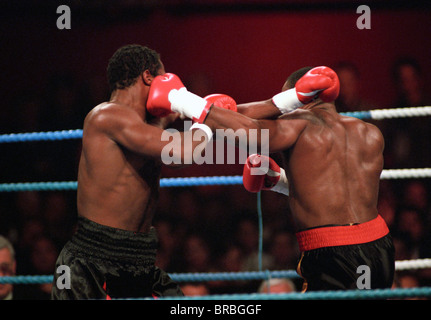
(244, 48)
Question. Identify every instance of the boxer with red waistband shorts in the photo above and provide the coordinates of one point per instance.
(331, 174)
(332, 179)
(332, 253)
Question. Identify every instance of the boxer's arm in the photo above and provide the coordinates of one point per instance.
(125, 128)
(319, 82)
(256, 110)
(164, 122)
(263, 173)
(259, 110)
(282, 133)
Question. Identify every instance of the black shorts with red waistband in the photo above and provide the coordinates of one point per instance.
(107, 263)
(332, 256)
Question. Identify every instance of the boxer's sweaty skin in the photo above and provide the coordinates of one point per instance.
(120, 164)
(333, 162)
(119, 171)
(334, 168)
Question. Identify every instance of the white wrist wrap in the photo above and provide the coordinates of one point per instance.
(287, 101)
(282, 185)
(186, 103)
(204, 128)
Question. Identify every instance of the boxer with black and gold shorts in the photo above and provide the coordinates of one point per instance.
(331, 255)
(114, 250)
(107, 263)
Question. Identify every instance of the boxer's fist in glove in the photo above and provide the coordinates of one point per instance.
(319, 82)
(167, 94)
(263, 173)
(158, 103)
(222, 101)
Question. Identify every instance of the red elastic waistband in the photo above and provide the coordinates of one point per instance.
(342, 235)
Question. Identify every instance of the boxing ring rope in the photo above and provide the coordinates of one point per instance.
(377, 114)
(192, 181)
(400, 265)
(398, 293)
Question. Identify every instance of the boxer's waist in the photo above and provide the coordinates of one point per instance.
(116, 245)
(342, 235)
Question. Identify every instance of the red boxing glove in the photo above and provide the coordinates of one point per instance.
(319, 82)
(263, 173)
(222, 101)
(158, 103)
(167, 94)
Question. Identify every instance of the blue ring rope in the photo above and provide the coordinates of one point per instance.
(358, 114)
(39, 186)
(177, 277)
(200, 181)
(164, 182)
(41, 136)
(316, 295)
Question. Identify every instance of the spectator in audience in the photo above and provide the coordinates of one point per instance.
(277, 285)
(232, 259)
(284, 251)
(168, 244)
(406, 137)
(42, 261)
(197, 254)
(7, 267)
(416, 195)
(247, 237)
(194, 289)
(387, 203)
(407, 279)
(30, 231)
(411, 228)
(409, 83)
(58, 216)
(351, 97)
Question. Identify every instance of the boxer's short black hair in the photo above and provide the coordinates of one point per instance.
(128, 63)
(295, 76)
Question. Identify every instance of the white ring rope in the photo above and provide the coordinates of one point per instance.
(401, 265)
(406, 173)
(379, 114)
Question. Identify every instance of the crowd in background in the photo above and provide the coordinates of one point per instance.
(211, 228)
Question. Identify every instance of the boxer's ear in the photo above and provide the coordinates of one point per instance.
(147, 77)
